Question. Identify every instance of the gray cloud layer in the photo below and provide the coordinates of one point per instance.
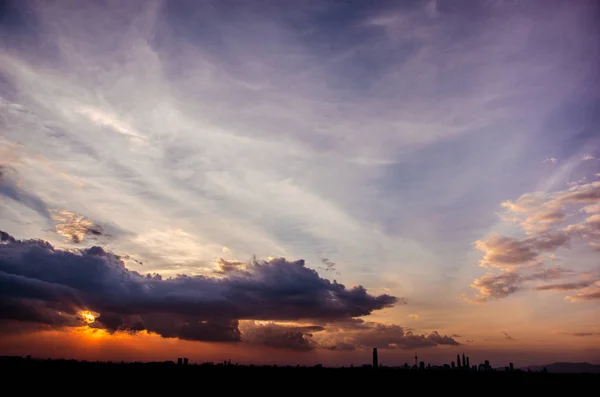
(343, 335)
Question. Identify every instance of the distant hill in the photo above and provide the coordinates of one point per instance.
(568, 368)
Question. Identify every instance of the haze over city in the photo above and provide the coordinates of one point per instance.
(299, 182)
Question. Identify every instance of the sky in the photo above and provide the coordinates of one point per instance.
(298, 182)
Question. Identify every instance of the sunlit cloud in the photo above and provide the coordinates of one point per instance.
(74, 227)
(589, 293)
(550, 221)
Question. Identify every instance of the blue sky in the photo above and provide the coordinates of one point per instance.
(381, 136)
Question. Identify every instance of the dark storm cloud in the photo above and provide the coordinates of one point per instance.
(196, 308)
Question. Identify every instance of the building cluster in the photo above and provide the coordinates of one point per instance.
(463, 364)
(182, 361)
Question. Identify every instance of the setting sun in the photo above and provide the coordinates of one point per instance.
(88, 316)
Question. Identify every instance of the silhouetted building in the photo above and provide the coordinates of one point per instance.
(185, 361)
(375, 360)
(511, 366)
(458, 361)
(422, 365)
(179, 361)
(452, 365)
(464, 362)
(468, 364)
(486, 365)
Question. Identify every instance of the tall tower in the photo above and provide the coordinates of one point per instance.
(375, 361)
(464, 362)
(458, 361)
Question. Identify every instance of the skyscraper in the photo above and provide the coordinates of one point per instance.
(464, 362)
(458, 361)
(375, 361)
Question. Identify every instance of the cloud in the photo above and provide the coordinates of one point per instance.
(496, 286)
(11, 189)
(538, 212)
(108, 120)
(542, 217)
(75, 227)
(560, 287)
(589, 229)
(589, 293)
(583, 334)
(196, 308)
(362, 334)
(329, 265)
(553, 273)
(550, 160)
(280, 336)
(508, 337)
(587, 157)
(509, 252)
(225, 266)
